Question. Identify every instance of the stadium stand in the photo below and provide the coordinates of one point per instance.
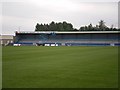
(6, 40)
(50, 38)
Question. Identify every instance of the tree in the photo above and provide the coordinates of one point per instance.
(64, 26)
(46, 27)
(90, 27)
(96, 28)
(60, 27)
(52, 26)
(69, 27)
(102, 25)
(82, 28)
(42, 27)
(37, 27)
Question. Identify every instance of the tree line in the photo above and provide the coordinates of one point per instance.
(54, 26)
(64, 26)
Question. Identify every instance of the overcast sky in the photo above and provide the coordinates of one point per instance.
(25, 15)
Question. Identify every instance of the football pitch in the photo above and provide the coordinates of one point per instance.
(59, 67)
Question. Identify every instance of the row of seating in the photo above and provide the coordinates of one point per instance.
(65, 39)
(81, 36)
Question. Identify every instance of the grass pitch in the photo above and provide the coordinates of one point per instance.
(60, 67)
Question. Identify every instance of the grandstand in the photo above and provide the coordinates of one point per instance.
(6, 40)
(57, 38)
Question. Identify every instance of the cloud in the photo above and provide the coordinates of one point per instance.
(57, 0)
(11, 24)
(27, 14)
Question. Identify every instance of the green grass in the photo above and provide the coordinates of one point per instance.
(60, 67)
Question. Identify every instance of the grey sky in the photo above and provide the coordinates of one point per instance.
(26, 14)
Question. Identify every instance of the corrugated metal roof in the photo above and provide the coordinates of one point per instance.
(6, 37)
(62, 32)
